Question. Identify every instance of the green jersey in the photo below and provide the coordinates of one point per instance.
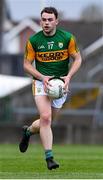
(51, 53)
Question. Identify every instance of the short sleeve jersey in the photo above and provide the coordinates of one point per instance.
(51, 53)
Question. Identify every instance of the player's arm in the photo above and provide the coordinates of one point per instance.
(33, 72)
(29, 57)
(77, 60)
(74, 53)
(29, 68)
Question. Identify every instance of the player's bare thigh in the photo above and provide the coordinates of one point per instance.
(43, 104)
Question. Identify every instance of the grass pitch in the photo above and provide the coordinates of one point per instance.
(76, 162)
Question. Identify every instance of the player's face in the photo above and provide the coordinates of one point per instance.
(49, 23)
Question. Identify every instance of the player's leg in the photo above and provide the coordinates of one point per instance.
(27, 131)
(55, 113)
(56, 107)
(37, 90)
(44, 107)
(35, 126)
(44, 124)
(51, 164)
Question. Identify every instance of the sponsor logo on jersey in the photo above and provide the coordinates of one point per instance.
(52, 56)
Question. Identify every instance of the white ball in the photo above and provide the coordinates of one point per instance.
(56, 90)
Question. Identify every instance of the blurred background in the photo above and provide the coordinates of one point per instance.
(81, 119)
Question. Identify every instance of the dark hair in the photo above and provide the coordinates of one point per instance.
(50, 10)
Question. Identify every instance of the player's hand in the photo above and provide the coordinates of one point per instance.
(66, 83)
(46, 82)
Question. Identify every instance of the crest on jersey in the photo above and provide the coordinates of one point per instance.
(60, 44)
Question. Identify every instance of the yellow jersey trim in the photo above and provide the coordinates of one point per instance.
(29, 52)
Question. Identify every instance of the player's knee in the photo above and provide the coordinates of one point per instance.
(45, 119)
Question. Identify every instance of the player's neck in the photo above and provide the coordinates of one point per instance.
(50, 33)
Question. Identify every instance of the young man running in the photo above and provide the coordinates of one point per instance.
(50, 49)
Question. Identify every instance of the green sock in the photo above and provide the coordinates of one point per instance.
(48, 154)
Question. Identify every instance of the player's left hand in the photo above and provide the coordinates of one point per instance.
(66, 83)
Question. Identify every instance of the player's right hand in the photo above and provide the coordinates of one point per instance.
(46, 82)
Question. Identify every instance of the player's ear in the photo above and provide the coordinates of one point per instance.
(57, 21)
(40, 23)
